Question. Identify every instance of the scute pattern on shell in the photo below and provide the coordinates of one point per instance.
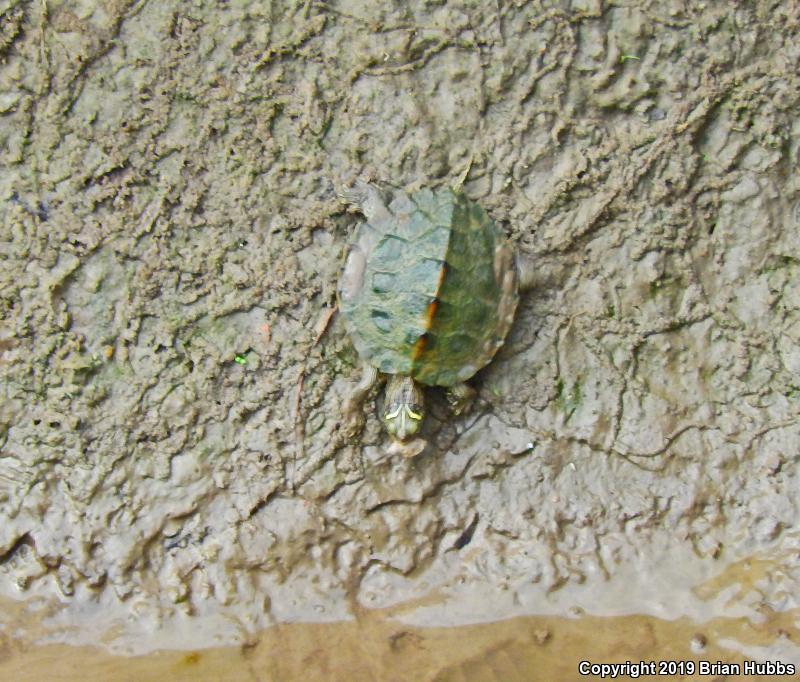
(429, 288)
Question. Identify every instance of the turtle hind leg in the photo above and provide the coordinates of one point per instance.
(354, 403)
(461, 396)
(371, 200)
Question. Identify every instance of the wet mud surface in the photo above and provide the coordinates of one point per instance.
(174, 468)
(518, 650)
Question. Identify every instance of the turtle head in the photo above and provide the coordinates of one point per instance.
(403, 410)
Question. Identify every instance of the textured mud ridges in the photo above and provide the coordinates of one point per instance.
(170, 421)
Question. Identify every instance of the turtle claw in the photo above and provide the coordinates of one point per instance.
(461, 397)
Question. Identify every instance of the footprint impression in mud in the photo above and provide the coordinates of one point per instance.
(428, 295)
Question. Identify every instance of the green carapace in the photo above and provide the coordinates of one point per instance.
(428, 295)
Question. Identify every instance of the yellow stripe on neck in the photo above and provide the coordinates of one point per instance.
(408, 412)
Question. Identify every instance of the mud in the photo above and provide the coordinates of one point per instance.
(174, 471)
(517, 650)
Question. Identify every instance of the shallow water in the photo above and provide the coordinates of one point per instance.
(524, 649)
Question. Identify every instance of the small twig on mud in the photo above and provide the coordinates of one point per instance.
(415, 63)
(323, 323)
(299, 431)
(463, 177)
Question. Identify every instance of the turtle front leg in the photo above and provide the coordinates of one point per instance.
(354, 403)
(460, 398)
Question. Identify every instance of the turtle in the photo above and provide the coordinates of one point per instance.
(428, 294)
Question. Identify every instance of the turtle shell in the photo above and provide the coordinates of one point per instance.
(429, 288)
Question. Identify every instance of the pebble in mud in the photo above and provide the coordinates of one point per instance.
(541, 636)
(698, 643)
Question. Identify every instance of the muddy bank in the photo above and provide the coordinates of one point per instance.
(173, 468)
(522, 649)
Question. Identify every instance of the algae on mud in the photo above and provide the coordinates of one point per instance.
(168, 206)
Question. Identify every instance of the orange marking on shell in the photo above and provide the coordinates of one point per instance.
(430, 313)
(422, 341)
(419, 348)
